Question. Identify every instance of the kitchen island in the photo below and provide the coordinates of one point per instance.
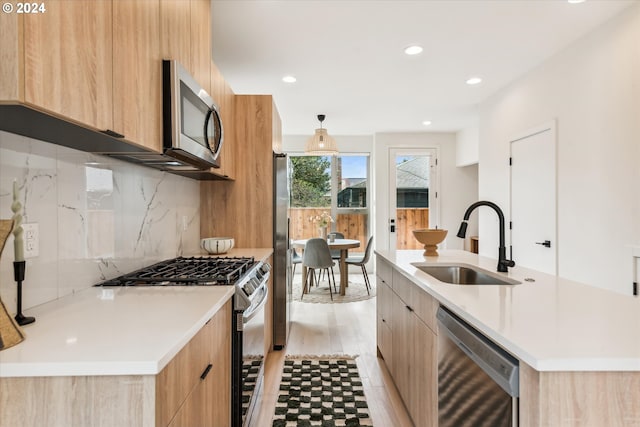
(578, 346)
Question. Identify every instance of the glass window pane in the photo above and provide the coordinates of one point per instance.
(412, 198)
(352, 179)
(311, 181)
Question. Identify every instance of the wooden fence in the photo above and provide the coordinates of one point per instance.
(407, 220)
(355, 226)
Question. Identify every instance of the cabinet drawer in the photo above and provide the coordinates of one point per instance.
(383, 270)
(384, 339)
(176, 381)
(423, 304)
(209, 404)
(402, 286)
(383, 300)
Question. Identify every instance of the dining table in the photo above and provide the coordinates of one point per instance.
(337, 244)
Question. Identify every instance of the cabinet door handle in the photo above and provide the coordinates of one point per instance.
(206, 372)
(384, 321)
(112, 133)
(409, 308)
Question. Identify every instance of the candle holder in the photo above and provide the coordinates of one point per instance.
(19, 268)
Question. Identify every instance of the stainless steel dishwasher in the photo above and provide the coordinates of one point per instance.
(478, 382)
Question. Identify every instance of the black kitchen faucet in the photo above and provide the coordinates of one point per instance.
(503, 262)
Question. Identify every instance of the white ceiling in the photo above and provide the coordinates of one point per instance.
(349, 61)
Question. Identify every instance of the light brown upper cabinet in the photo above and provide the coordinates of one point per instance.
(60, 60)
(98, 63)
(175, 31)
(92, 62)
(224, 97)
(244, 208)
(137, 72)
(185, 33)
(200, 64)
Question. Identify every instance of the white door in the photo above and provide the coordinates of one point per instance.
(533, 199)
(413, 191)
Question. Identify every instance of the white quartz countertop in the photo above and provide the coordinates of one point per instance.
(112, 331)
(116, 330)
(552, 324)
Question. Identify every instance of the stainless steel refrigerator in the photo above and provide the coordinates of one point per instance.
(282, 280)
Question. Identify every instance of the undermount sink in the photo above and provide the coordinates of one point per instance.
(464, 275)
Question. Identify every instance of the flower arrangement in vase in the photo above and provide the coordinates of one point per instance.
(322, 221)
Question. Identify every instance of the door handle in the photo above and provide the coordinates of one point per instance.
(206, 371)
(546, 243)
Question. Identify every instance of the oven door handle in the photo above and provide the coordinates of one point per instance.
(253, 309)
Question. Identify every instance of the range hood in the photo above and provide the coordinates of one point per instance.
(26, 121)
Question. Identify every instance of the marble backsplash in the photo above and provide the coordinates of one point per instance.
(98, 217)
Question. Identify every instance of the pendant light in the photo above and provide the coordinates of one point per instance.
(321, 144)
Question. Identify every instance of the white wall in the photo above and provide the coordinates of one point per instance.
(467, 146)
(345, 143)
(458, 186)
(592, 89)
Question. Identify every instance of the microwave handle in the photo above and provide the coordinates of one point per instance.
(206, 128)
(212, 114)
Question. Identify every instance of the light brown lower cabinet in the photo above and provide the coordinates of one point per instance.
(177, 396)
(407, 343)
(194, 388)
(578, 399)
(384, 337)
(414, 363)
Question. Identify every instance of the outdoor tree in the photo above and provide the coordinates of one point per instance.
(311, 181)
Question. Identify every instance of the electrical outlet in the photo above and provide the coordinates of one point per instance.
(185, 222)
(31, 236)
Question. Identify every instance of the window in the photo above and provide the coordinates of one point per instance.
(337, 185)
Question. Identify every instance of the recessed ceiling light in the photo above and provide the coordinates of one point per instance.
(474, 80)
(576, 1)
(427, 123)
(289, 79)
(413, 50)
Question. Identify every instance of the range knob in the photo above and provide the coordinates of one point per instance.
(265, 267)
(249, 288)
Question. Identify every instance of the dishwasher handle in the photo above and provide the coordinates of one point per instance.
(494, 361)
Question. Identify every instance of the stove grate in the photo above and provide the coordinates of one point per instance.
(187, 271)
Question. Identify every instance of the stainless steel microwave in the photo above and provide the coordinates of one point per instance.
(192, 128)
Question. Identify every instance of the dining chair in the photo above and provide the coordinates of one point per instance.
(316, 256)
(296, 259)
(335, 253)
(361, 260)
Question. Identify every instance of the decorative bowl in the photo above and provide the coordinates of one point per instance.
(430, 238)
(217, 245)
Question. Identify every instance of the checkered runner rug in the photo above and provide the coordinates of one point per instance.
(250, 371)
(321, 392)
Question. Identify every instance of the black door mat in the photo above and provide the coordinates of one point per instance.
(321, 392)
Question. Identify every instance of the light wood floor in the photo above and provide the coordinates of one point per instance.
(321, 329)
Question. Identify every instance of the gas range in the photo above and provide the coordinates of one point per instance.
(246, 274)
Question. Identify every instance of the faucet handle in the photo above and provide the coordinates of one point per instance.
(508, 262)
